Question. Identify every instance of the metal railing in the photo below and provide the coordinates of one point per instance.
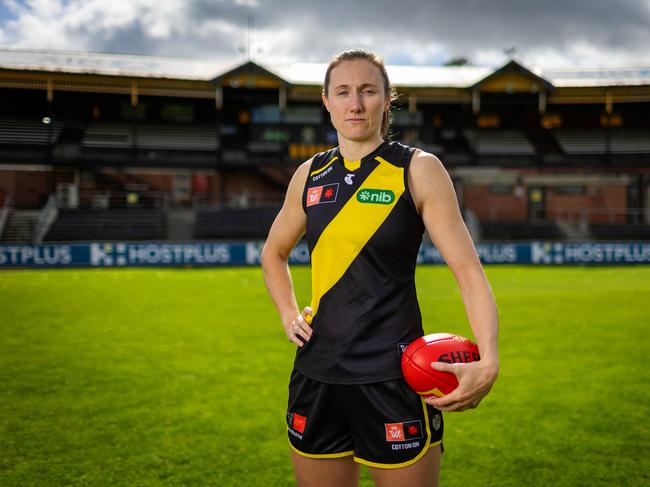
(46, 219)
(123, 199)
(241, 201)
(4, 211)
(599, 215)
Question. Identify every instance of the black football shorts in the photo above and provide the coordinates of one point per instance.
(384, 424)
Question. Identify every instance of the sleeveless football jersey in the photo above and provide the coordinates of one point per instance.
(363, 233)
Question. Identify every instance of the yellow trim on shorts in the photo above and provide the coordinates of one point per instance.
(321, 455)
(324, 167)
(413, 460)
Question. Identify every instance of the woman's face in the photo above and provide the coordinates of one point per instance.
(356, 100)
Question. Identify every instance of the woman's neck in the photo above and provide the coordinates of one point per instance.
(354, 151)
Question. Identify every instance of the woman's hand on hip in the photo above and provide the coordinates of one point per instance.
(299, 330)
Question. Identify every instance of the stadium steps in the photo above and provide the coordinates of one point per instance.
(20, 226)
(180, 225)
(574, 231)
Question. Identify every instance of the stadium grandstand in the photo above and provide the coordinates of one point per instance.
(124, 147)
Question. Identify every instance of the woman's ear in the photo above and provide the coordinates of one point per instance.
(325, 102)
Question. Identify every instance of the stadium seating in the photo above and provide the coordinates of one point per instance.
(231, 223)
(29, 132)
(107, 224)
(601, 141)
(578, 141)
(499, 142)
(106, 135)
(630, 141)
(151, 136)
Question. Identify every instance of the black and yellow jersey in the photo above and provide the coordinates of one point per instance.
(363, 233)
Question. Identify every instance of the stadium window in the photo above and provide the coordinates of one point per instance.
(275, 135)
(129, 112)
(570, 190)
(403, 118)
(410, 136)
(613, 120)
(308, 135)
(178, 112)
(228, 130)
(551, 121)
(488, 121)
(293, 151)
(265, 114)
(304, 114)
(448, 134)
(501, 189)
(244, 117)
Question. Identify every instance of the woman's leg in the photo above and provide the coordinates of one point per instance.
(325, 472)
(423, 473)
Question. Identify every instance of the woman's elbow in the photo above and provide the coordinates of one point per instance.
(271, 254)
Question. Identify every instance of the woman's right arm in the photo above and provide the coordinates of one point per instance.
(288, 227)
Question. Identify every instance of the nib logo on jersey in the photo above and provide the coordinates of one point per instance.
(375, 196)
(297, 424)
(322, 194)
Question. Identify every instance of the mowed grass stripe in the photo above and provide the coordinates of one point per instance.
(179, 377)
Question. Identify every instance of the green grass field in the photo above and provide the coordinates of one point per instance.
(146, 377)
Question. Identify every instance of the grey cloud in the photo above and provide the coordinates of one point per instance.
(460, 27)
(463, 26)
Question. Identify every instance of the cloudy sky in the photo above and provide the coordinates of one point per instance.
(548, 34)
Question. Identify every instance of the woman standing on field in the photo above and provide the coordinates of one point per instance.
(364, 207)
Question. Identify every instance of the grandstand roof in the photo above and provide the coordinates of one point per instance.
(112, 64)
(297, 73)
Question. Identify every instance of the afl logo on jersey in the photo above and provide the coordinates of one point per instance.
(322, 194)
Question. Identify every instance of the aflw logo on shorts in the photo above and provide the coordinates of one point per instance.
(297, 424)
(411, 430)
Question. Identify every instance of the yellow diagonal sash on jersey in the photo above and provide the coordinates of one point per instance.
(349, 231)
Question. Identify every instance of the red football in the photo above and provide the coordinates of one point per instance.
(438, 347)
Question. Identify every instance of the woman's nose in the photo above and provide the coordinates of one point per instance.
(355, 103)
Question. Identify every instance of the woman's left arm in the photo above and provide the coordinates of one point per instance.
(435, 198)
